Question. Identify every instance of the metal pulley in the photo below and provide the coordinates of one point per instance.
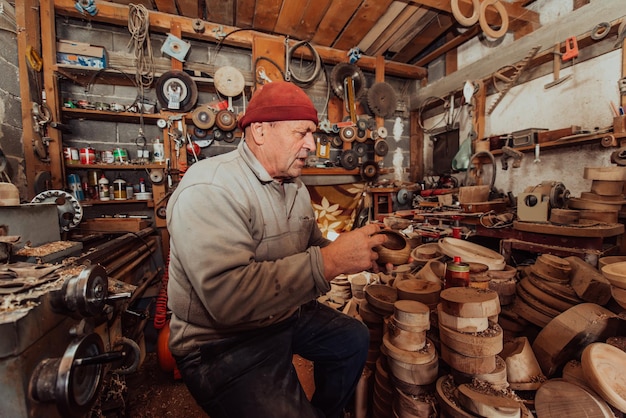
(369, 171)
(69, 209)
(349, 159)
(381, 148)
(360, 149)
(226, 120)
(203, 117)
(361, 135)
(336, 141)
(85, 294)
(347, 134)
(72, 381)
(404, 196)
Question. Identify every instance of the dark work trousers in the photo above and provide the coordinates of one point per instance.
(251, 375)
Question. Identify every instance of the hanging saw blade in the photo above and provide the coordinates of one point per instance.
(510, 82)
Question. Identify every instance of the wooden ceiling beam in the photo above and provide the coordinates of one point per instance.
(514, 10)
(161, 22)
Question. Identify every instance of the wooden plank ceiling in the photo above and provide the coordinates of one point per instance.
(404, 31)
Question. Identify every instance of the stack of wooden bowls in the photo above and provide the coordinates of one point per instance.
(503, 282)
(377, 305)
(545, 292)
(412, 359)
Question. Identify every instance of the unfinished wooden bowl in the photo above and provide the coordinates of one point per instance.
(396, 250)
(426, 252)
(381, 297)
(615, 273)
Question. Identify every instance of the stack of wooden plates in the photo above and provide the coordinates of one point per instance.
(412, 358)
(606, 198)
(545, 292)
(503, 282)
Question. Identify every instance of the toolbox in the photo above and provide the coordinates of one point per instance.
(525, 137)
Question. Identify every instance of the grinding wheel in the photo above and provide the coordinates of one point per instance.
(342, 71)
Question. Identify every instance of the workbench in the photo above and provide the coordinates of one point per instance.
(588, 243)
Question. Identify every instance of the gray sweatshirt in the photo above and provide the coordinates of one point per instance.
(244, 250)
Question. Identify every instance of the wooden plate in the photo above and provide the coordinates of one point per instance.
(461, 324)
(445, 393)
(465, 364)
(558, 398)
(545, 298)
(604, 366)
(482, 344)
(486, 404)
(469, 302)
(421, 290)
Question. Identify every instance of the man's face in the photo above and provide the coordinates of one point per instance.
(286, 146)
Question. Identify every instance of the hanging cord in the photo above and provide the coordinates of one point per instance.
(160, 309)
(317, 68)
(139, 28)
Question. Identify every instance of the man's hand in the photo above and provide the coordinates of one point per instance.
(352, 251)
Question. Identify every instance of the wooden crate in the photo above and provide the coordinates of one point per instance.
(114, 224)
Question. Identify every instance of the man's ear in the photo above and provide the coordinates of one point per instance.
(256, 130)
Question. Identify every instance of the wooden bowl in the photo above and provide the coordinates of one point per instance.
(619, 295)
(396, 250)
(381, 297)
(603, 261)
(426, 252)
(615, 273)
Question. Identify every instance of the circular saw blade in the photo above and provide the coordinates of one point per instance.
(342, 71)
(382, 99)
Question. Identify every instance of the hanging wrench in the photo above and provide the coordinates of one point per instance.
(537, 160)
(263, 75)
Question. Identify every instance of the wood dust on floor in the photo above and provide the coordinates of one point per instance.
(153, 393)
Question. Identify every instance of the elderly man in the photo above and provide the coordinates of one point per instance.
(247, 262)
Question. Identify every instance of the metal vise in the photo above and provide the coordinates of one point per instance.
(507, 153)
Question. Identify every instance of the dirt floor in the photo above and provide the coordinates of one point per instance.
(153, 393)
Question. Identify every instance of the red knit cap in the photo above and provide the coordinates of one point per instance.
(276, 101)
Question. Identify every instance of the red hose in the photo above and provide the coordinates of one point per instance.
(160, 310)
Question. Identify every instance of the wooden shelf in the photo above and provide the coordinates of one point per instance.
(581, 140)
(95, 202)
(113, 167)
(109, 116)
(317, 171)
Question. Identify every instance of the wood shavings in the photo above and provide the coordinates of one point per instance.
(45, 249)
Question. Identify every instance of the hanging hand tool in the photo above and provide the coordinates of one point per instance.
(556, 68)
(571, 49)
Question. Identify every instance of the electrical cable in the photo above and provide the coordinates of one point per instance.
(317, 66)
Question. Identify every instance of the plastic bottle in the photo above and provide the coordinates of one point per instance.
(119, 188)
(158, 151)
(103, 188)
(142, 185)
